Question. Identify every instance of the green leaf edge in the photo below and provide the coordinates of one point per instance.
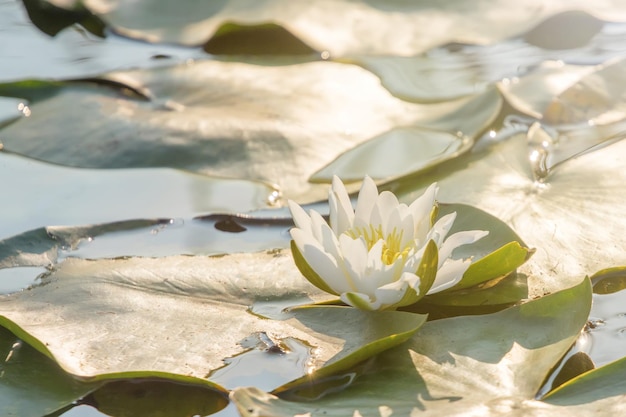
(99, 379)
(578, 386)
(463, 298)
(497, 264)
(607, 275)
(364, 352)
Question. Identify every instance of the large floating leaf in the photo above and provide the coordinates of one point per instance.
(579, 107)
(489, 365)
(573, 219)
(341, 27)
(122, 318)
(566, 94)
(46, 195)
(275, 123)
(32, 384)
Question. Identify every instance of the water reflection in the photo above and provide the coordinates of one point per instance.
(17, 279)
(267, 364)
(608, 327)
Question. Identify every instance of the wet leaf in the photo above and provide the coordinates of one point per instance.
(566, 30)
(579, 108)
(341, 27)
(197, 112)
(477, 365)
(438, 76)
(501, 291)
(570, 219)
(32, 384)
(203, 304)
(412, 150)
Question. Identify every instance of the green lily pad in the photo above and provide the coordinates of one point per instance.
(570, 218)
(204, 304)
(442, 75)
(494, 256)
(31, 384)
(341, 27)
(577, 106)
(500, 291)
(452, 367)
(192, 116)
(40, 247)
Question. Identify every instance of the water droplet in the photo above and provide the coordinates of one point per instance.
(24, 109)
(540, 143)
(274, 197)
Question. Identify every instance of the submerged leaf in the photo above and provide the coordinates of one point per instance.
(156, 398)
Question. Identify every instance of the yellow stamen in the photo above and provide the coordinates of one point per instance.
(391, 247)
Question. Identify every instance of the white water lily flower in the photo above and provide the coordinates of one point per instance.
(381, 255)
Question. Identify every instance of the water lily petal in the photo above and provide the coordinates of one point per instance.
(325, 265)
(459, 239)
(307, 271)
(360, 300)
(391, 294)
(377, 274)
(421, 209)
(365, 203)
(341, 211)
(300, 218)
(354, 253)
(385, 204)
(449, 274)
(407, 226)
(374, 256)
(440, 229)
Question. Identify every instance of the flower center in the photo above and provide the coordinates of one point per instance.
(392, 249)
